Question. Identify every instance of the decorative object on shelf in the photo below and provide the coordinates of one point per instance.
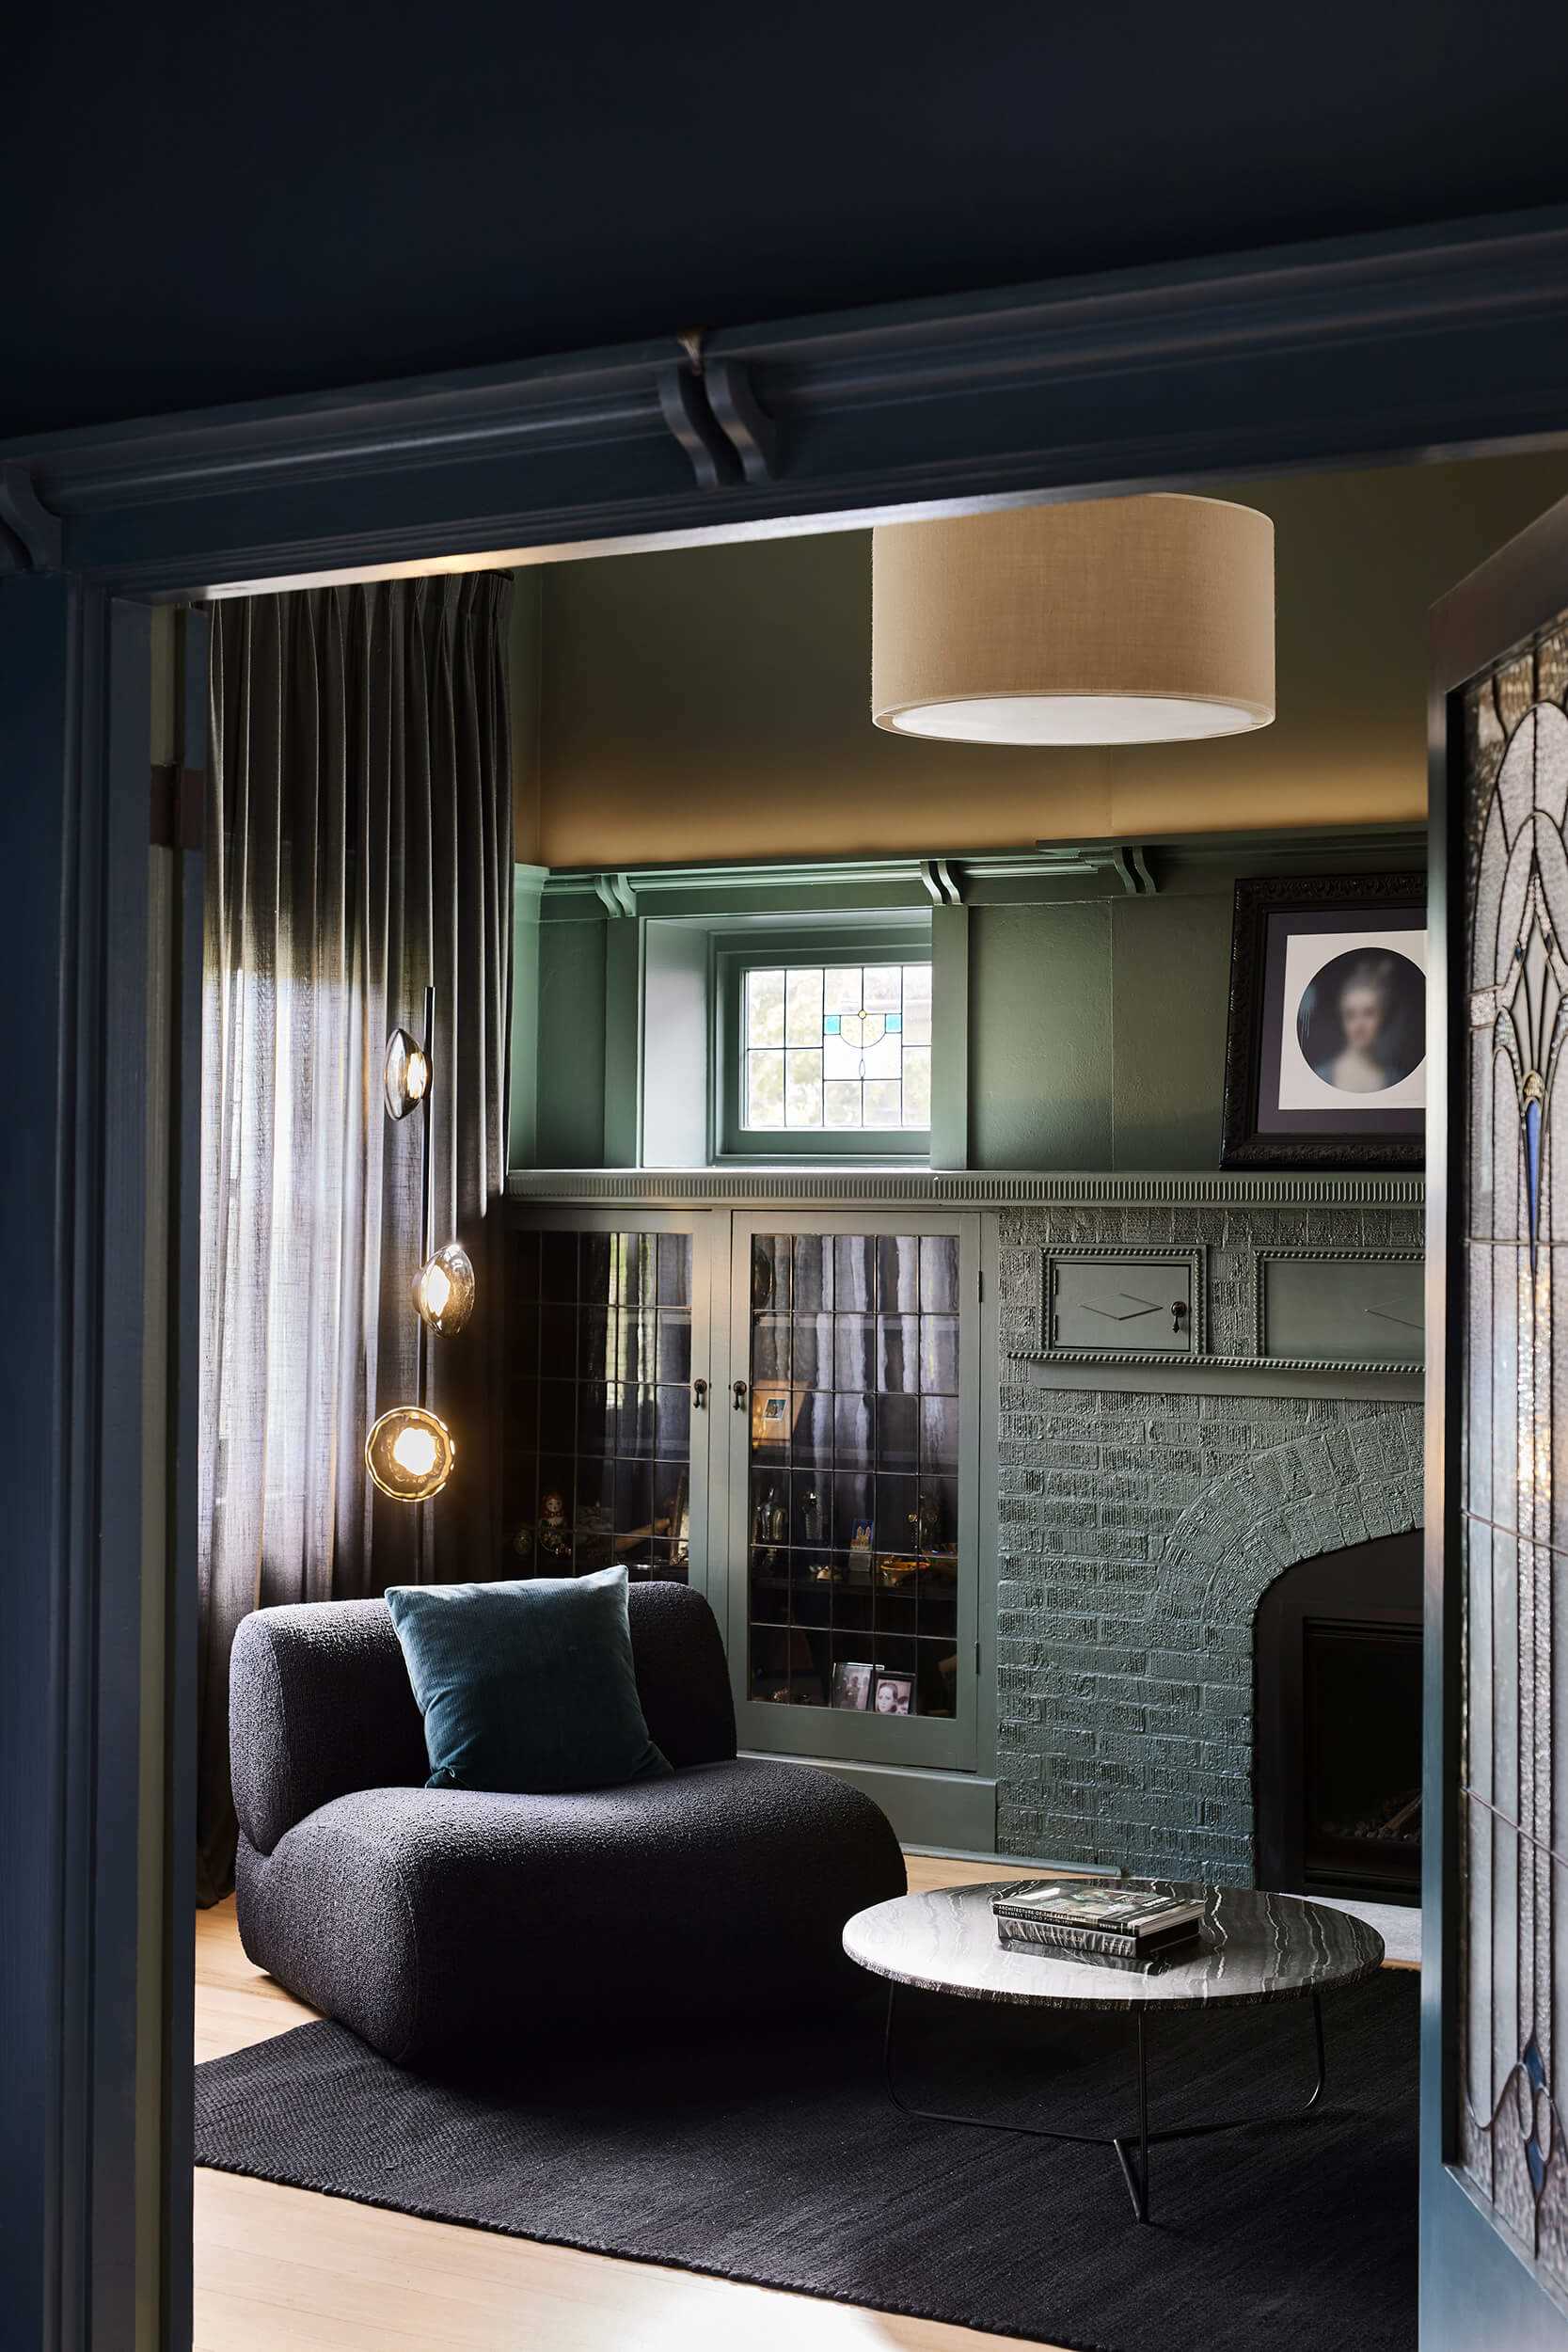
(892, 1694)
(555, 1530)
(409, 1451)
(1325, 1057)
(444, 1290)
(1137, 620)
(851, 1685)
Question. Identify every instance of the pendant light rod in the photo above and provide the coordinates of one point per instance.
(427, 1239)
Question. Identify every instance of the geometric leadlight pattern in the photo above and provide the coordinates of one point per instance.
(1514, 1831)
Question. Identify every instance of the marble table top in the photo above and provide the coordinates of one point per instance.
(1256, 1948)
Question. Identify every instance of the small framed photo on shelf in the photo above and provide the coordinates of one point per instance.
(851, 1685)
(1325, 1056)
(892, 1694)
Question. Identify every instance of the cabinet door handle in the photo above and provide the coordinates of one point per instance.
(699, 1394)
(738, 1392)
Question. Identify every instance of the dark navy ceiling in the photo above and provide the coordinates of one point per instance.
(222, 204)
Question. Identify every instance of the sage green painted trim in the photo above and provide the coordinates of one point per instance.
(949, 1037)
(940, 1811)
(1044, 873)
(739, 1188)
(522, 1077)
(813, 887)
(571, 1086)
(677, 1058)
(1229, 1375)
(622, 1042)
(987, 1713)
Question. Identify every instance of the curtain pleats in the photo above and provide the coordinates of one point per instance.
(358, 847)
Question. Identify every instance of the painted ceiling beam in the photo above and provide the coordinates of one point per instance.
(1442, 339)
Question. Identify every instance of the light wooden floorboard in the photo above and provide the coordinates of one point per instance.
(283, 2270)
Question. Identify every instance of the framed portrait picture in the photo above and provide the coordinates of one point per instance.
(851, 1684)
(1325, 1059)
(892, 1694)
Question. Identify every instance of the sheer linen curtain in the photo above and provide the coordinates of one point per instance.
(358, 845)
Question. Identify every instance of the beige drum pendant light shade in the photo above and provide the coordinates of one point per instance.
(1138, 620)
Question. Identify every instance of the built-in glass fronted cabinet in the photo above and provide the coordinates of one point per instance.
(782, 1411)
(851, 1405)
(605, 1375)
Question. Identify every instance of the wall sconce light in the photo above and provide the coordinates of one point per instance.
(409, 1454)
(444, 1290)
(407, 1073)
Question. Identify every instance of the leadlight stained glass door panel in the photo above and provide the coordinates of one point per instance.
(605, 1435)
(851, 1512)
(1495, 2169)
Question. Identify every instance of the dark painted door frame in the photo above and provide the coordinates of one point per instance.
(1476, 2292)
(1442, 342)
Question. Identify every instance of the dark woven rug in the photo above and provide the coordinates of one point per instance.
(779, 2160)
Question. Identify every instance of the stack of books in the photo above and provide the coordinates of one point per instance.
(1117, 1927)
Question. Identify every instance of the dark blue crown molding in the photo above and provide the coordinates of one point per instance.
(1446, 340)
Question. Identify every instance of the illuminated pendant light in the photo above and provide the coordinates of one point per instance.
(407, 1078)
(410, 1451)
(409, 1454)
(1137, 620)
(444, 1290)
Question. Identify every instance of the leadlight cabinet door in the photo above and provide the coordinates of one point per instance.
(605, 1450)
(851, 1415)
(1495, 2169)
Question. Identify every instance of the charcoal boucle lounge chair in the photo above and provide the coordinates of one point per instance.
(436, 1921)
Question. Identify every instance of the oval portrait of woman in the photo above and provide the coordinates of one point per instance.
(1361, 1022)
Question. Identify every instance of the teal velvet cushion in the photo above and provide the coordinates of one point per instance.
(527, 1687)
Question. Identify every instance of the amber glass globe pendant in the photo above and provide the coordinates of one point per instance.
(410, 1451)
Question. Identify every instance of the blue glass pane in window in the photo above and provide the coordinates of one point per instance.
(895, 1021)
(830, 1025)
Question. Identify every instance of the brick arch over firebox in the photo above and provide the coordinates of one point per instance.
(1342, 1482)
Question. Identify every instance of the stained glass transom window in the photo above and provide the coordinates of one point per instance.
(840, 1047)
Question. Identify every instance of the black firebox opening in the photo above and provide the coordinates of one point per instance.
(1338, 1743)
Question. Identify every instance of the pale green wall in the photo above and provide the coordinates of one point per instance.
(571, 1054)
(1096, 1033)
(1096, 1029)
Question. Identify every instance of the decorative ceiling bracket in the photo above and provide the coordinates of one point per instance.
(939, 881)
(753, 432)
(615, 894)
(710, 407)
(1127, 860)
(31, 538)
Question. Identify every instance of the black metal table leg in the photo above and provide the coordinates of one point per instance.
(1134, 2168)
(1136, 2176)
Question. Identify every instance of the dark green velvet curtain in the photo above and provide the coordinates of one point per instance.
(358, 845)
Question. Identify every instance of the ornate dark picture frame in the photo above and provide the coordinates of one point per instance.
(1255, 1131)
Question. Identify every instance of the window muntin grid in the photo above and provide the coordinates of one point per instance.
(837, 1048)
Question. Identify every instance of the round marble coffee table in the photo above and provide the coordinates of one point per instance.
(1254, 1948)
